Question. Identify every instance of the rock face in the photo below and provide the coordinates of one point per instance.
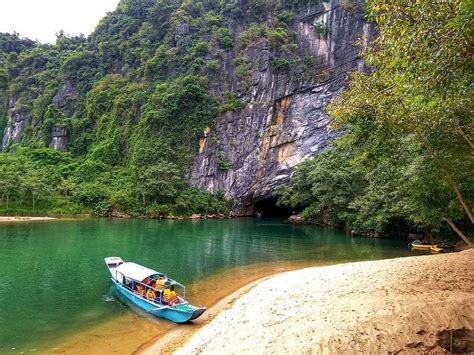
(65, 98)
(16, 123)
(249, 153)
(182, 37)
(59, 139)
(285, 85)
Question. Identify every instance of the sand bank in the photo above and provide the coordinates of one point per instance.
(23, 219)
(409, 304)
(218, 292)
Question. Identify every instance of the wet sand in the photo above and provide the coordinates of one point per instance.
(414, 304)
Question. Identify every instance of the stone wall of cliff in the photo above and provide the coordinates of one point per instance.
(284, 120)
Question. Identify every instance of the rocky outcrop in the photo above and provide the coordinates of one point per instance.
(59, 139)
(296, 219)
(65, 98)
(285, 79)
(249, 153)
(182, 37)
(17, 119)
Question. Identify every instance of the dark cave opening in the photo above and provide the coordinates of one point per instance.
(267, 208)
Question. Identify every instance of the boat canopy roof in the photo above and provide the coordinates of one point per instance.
(135, 271)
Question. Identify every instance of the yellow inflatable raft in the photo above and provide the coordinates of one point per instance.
(432, 247)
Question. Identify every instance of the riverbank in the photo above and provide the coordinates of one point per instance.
(423, 303)
(24, 218)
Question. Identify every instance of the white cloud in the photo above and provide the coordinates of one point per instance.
(42, 19)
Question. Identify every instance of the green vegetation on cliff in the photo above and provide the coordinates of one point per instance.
(134, 98)
(408, 151)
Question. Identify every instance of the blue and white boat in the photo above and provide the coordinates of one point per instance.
(152, 291)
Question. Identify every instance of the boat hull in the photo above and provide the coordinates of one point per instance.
(173, 314)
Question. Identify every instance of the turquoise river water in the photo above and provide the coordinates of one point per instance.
(53, 281)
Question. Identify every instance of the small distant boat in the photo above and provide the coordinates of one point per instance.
(432, 247)
(152, 291)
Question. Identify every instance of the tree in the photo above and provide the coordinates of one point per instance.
(159, 183)
(324, 187)
(420, 86)
(35, 183)
(9, 183)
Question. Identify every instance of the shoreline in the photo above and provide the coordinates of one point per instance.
(176, 338)
(347, 307)
(25, 218)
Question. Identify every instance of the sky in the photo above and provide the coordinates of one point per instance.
(42, 19)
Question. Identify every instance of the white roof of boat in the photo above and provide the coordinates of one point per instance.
(135, 271)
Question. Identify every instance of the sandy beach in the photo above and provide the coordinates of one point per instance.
(413, 304)
(24, 219)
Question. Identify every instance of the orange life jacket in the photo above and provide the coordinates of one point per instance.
(150, 294)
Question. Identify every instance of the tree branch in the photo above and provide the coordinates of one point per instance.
(459, 232)
(448, 177)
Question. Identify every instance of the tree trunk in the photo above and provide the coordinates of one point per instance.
(466, 138)
(449, 179)
(325, 216)
(428, 235)
(34, 202)
(458, 231)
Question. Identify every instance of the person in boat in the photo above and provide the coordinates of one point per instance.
(139, 290)
(160, 284)
(170, 297)
(150, 295)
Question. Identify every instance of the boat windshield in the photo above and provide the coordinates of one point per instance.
(158, 277)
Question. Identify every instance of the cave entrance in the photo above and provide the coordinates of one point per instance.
(267, 208)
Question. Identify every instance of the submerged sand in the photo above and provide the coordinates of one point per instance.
(413, 304)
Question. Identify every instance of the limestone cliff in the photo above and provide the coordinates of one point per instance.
(284, 120)
(17, 121)
(282, 61)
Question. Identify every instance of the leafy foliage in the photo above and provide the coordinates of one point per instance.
(280, 64)
(409, 126)
(232, 103)
(137, 115)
